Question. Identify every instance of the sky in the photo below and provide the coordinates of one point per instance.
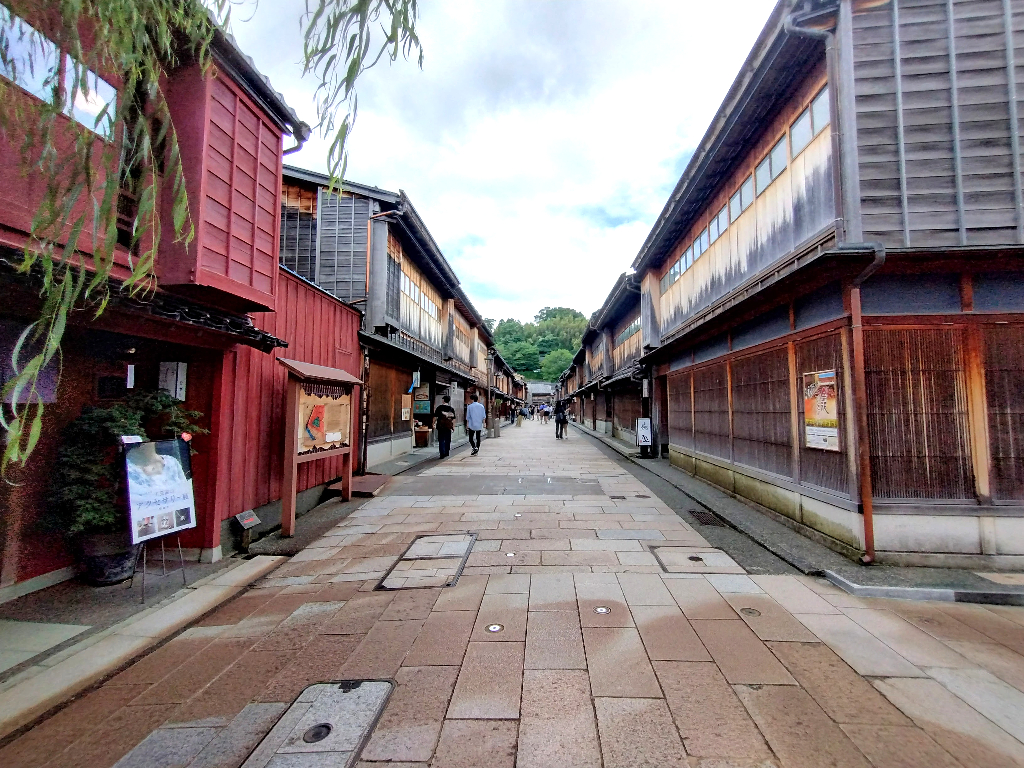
(541, 138)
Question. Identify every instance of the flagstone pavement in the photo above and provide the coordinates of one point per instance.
(625, 640)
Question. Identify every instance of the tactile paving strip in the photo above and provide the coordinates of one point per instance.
(326, 727)
(434, 560)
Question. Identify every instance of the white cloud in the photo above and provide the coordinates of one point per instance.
(541, 138)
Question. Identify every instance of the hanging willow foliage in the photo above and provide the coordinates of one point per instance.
(131, 145)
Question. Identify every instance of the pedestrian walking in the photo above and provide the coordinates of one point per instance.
(476, 414)
(522, 414)
(561, 420)
(444, 422)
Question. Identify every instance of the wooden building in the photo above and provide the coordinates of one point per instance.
(832, 300)
(421, 336)
(222, 312)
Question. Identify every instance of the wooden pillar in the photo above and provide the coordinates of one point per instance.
(795, 388)
(860, 399)
(290, 471)
(218, 504)
(977, 411)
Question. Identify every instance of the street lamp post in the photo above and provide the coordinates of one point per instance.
(495, 430)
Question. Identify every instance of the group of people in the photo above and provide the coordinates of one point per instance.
(476, 418)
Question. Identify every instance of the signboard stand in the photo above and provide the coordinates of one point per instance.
(163, 564)
(317, 434)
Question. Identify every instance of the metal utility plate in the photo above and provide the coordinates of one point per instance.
(676, 559)
(326, 727)
(432, 560)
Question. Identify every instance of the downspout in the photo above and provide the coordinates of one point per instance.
(860, 395)
(832, 78)
(301, 134)
(365, 416)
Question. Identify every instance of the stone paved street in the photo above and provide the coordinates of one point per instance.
(625, 640)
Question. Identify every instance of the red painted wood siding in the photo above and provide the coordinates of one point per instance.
(319, 329)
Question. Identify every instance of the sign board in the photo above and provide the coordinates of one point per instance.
(821, 410)
(160, 498)
(247, 519)
(421, 400)
(323, 421)
(643, 432)
(646, 388)
(172, 379)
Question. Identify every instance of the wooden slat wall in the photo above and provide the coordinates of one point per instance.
(387, 385)
(826, 469)
(626, 409)
(341, 261)
(318, 329)
(680, 410)
(761, 411)
(935, 133)
(1004, 387)
(711, 410)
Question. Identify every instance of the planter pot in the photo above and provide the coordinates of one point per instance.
(106, 558)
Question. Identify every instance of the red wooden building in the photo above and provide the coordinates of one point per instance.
(232, 127)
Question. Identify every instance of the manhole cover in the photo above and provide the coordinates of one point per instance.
(327, 725)
(602, 609)
(434, 560)
(750, 611)
(706, 518)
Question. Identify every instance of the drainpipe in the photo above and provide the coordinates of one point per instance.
(365, 416)
(832, 76)
(860, 394)
(301, 133)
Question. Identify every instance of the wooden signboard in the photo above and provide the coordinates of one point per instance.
(318, 425)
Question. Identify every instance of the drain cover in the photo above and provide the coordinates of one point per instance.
(705, 518)
(326, 726)
(750, 611)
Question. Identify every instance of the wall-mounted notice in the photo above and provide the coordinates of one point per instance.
(160, 498)
(821, 410)
(323, 421)
(643, 432)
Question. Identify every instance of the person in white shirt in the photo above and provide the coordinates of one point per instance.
(475, 417)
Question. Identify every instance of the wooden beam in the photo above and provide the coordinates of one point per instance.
(977, 413)
(290, 470)
(860, 401)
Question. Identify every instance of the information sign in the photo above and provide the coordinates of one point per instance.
(643, 432)
(160, 497)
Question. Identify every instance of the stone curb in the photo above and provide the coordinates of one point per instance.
(809, 567)
(81, 665)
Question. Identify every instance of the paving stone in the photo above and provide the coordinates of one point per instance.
(997, 659)
(476, 743)
(638, 733)
(536, 545)
(552, 592)
(639, 558)
(644, 589)
(359, 614)
(644, 534)
(490, 683)
(939, 625)
(742, 657)
(557, 726)
(529, 557)
(382, 651)
(443, 639)
(888, 745)
(505, 609)
(711, 720)
(733, 582)
(155, 666)
(604, 593)
(554, 641)
(233, 743)
(699, 600)
(115, 737)
(844, 695)
(999, 702)
(198, 672)
(916, 646)
(414, 604)
(606, 545)
(508, 584)
(561, 533)
(578, 558)
(768, 619)
(618, 664)
(860, 649)
(797, 729)
(320, 661)
(989, 624)
(411, 723)
(464, 596)
(667, 635)
(968, 736)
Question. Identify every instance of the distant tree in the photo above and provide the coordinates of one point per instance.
(522, 356)
(558, 313)
(489, 324)
(509, 331)
(555, 362)
(548, 343)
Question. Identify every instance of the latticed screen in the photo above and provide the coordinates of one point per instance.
(711, 410)
(1004, 388)
(680, 413)
(826, 469)
(298, 230)
(761, 411)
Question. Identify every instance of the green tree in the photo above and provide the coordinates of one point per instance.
(141, 40)
(522, 356)
(508, 331)
(548, 343)
(556, 362)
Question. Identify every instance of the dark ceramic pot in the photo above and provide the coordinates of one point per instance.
(106, 558)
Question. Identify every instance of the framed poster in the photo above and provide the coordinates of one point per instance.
(421, 400)
(323, 421)
(160, 498)
(643, 432)
(821, 410)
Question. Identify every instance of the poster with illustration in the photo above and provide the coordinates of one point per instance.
(821, 410)
(160, 497)
(323, 421)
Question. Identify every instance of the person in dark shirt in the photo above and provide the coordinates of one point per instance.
(561, 419)
(444, 422)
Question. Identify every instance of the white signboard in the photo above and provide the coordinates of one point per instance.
(643, 432)
(160, 498)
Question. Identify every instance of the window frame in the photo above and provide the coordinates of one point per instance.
(805, 115)
(823, 94)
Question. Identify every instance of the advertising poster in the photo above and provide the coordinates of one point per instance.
(421, 400)
(160, 498)
(406, 407)
(323, 421)
(821, 410)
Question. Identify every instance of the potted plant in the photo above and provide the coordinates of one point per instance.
(89, 502)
